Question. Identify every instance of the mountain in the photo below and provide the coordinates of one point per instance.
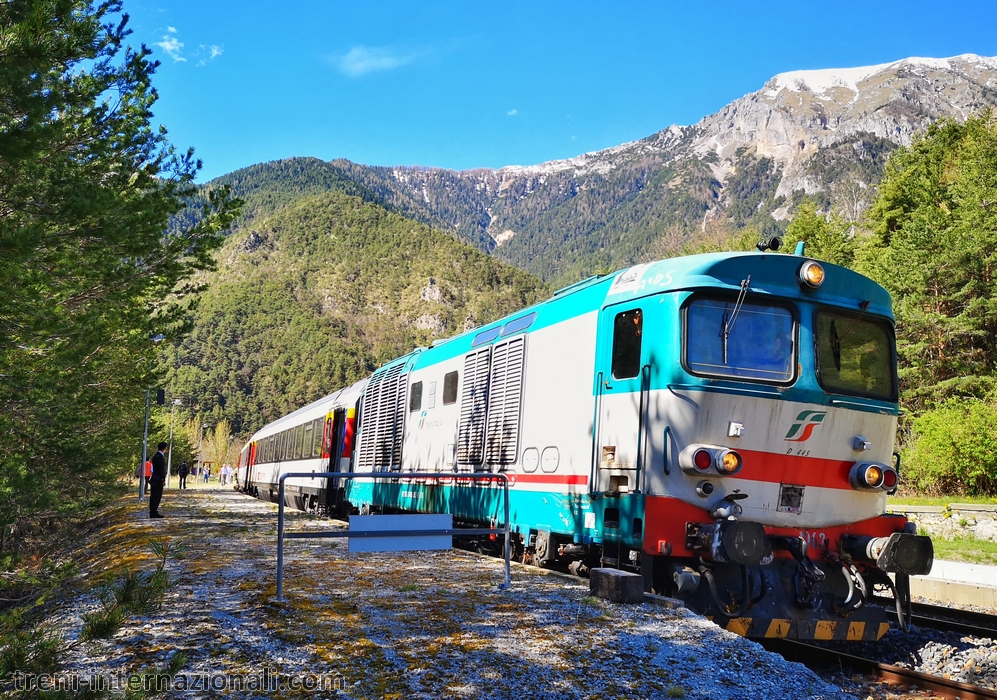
(825, 134)
(318, 294)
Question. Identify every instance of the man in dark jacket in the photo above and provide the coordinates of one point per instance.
(183, 473)
(158, 480)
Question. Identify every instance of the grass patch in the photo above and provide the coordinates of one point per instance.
(967, 549)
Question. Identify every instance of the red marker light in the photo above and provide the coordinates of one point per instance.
(889, 479)
(702, 459)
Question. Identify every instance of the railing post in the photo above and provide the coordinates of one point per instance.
(508, 553)
(280, 540)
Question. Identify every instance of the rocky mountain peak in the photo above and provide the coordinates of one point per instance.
(825, 133)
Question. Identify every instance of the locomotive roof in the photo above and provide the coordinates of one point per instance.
(770, 274)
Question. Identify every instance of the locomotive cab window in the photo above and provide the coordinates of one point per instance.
(855, 355)
(627, 329)
(741, 340)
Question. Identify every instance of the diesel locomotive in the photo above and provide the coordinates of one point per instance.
(722, 424)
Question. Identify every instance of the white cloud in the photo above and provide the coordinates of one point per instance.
(171, 30)
(361, 60)
(512, 112)
(213, 51)
(172, 46)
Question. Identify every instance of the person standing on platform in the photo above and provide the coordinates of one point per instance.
(182, 473)
(158, 480)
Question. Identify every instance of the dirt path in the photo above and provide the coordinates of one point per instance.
(419, 625)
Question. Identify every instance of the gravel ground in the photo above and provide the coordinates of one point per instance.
(416, 625)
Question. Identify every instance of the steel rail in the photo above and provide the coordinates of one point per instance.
(809, 654)
(940, 617)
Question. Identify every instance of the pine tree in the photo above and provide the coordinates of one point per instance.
(88, 265)
(934, 245)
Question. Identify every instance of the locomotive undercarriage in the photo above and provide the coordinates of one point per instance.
(758, 585)
(784, 598)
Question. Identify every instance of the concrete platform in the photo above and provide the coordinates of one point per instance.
(960, 583)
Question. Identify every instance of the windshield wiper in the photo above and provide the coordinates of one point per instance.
(836, 345)
(727, 325)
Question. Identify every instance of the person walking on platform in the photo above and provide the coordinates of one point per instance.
(148, 476)
(182, 473)
(158, 480)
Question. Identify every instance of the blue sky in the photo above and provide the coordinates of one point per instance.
(471, 84)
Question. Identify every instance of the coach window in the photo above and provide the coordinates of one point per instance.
(626, 343)
(450, 388)
(319, 425)
(306, 443)
(298, 440)
(415, 397)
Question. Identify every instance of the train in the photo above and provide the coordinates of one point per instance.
(722, 424)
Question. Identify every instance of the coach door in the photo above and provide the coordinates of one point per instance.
(622, 374)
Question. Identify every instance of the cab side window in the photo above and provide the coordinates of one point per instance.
(627, 329)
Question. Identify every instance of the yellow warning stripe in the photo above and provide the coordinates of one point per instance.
(824, 630)
(739, 626)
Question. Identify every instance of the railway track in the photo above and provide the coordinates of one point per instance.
(939, 617)
(811, 655)
(936, 617)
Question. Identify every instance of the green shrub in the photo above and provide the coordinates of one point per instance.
(954, 449)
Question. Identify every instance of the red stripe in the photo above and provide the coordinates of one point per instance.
(665, 521)
(792, 469)
(448, 479)
(548, 479)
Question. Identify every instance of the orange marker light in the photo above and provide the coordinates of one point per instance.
(873, 476)
(812, 274)
(729, 463)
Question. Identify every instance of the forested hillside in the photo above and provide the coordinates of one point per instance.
(318, 295)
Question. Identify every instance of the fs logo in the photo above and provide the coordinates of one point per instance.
(804, 426)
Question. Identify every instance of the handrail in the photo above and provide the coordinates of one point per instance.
(504, 478)
(596, 425)
(643, 401)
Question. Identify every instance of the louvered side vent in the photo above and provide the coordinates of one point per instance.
(505, 398)
(473, 402)
(382, 421)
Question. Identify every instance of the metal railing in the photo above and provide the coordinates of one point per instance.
(456, 477)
